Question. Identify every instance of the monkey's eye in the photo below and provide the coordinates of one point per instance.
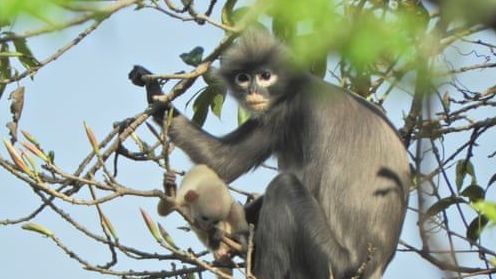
(265, 75)
(204, 218)
(266, 78)
(242, 79)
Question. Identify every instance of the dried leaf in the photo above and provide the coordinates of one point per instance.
(446, 101)
(16, 105)
(108, 226)
(36, 151)
(151, 225)
(16, 158)
(91, 138)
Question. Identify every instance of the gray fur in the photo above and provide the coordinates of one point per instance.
(256, 44)
(300, 225)
(341, 148)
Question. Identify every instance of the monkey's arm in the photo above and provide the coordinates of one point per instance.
(152, 89)
(229, 156)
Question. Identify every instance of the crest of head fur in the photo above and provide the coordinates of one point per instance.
(254, 47)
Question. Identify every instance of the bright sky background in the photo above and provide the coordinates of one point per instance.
(89, 83)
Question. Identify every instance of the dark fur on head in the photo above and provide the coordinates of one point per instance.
(253, 49)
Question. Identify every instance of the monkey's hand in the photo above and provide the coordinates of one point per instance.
(136, 75)
(242, 239)
(152, 85)
(215, 237)
(165, 207)
(153, 89)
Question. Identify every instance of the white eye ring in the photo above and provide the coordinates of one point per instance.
(242, 79)
(266, 78)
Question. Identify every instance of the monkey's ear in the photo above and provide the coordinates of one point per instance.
(191, 196)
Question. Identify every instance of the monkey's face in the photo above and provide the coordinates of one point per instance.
(253, 89)
(205, 222)
(257, 70)
(209, 210)
(208, 215)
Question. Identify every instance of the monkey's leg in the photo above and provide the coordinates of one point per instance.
(292, 234)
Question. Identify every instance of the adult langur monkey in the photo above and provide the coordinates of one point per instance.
(344, 175)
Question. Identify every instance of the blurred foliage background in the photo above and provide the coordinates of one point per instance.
(437, 55)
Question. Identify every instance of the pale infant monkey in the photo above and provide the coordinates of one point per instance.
(204, 198)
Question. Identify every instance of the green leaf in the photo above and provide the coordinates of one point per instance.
(475, 228)
(166, 236)
(227, 12)
(213, 97)
(9, 9)
(474, 193)
(4, 68)
(318, 67)
(283, 29)
(209, 77)
(27, 59)
(30, 138)
(216, 105)
(463, 168)
(194, 57)
(443, 204)
(4, 22)
(51, 156)
(200, 108)
(37, 228)
(238, 14)
(10, 54)
(487, 209)
(492, 261)
(243, 115)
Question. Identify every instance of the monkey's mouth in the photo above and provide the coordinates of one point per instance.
(256, 102)
(259, 105)
(202, 226)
